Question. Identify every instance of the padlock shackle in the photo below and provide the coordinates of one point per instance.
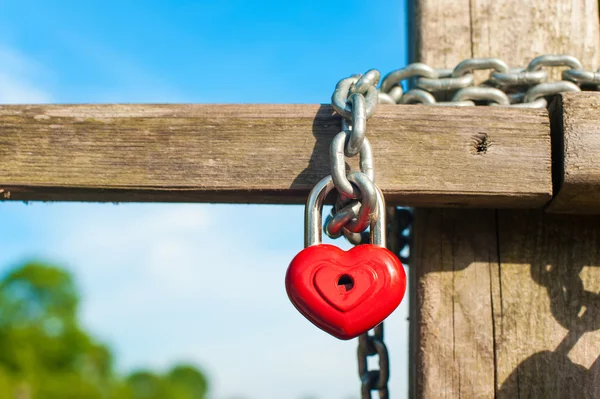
(314, 208)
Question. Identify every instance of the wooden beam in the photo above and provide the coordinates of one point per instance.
(506, 299)
(576, 153)
(269, 153)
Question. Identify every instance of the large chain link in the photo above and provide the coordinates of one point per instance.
(355, 99)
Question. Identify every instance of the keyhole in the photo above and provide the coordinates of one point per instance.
(346, 282)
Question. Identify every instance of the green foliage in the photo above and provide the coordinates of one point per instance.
(46, 354)
(187, 382)
(182, 382)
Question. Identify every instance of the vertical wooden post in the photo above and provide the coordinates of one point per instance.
(508, 302)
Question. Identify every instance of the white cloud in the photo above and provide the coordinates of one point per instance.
(18, 75)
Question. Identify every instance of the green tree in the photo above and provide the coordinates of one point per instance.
(45, 353)
(181, 382)
(43, 350)
(146, 385)
(187, 382)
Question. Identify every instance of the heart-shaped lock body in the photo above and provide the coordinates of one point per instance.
(345, 293)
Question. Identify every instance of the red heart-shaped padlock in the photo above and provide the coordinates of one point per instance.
(345, 293)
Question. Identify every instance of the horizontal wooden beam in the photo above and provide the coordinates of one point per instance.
(576, 146)
(424, 156)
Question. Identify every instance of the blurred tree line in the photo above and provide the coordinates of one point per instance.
(46, 354)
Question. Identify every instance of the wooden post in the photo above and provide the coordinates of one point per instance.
(508, 302)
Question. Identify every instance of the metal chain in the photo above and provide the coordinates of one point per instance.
(355, 99)
(511, 87)
(373, 380)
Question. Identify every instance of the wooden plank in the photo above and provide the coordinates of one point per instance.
(269, 153)
(501, 337)
(455, 357)
(547, 306)
(576, 153)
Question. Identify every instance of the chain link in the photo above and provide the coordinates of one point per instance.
(523, 87)
(355, 99)
(377, 379)
(582, 77)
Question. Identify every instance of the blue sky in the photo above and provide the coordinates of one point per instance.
(194, 282)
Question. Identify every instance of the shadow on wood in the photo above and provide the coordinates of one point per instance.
(517, 311)
(323, 131)
(549, 371)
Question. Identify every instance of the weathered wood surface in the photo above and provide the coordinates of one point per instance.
(269, 153)
(488, 325)
(454, 254)
(448, 31)
(576, 146)
(509, 304)
(546, 306)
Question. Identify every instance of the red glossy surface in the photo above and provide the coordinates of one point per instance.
(345, 293)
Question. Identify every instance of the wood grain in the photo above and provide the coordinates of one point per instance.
(547, 306)
(269, 153)
(504, 336)
(509, 304)
(448, 31)
(455, 357)
(576, 149)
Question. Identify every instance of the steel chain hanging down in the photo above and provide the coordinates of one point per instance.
(355, 99)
